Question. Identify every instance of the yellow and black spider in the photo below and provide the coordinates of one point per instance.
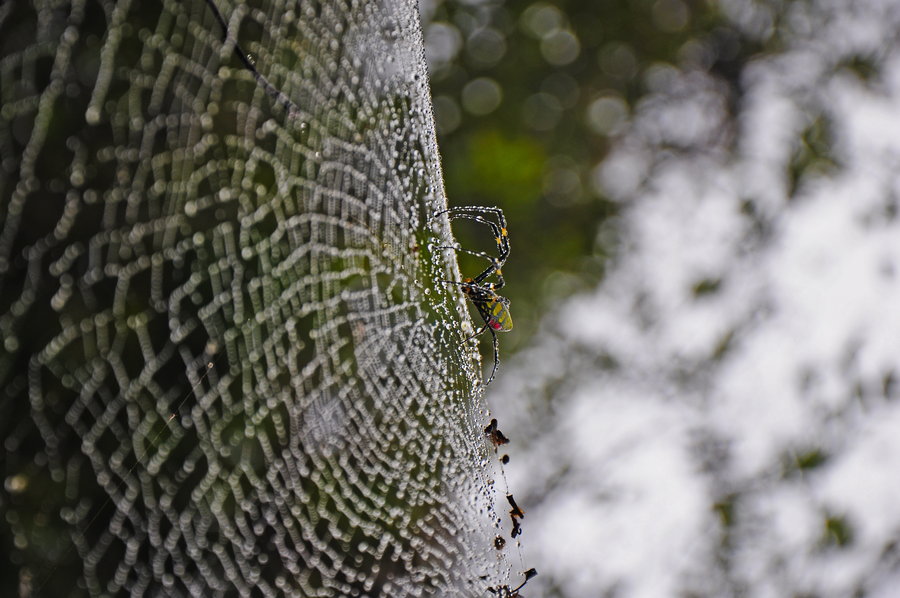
(493, 308)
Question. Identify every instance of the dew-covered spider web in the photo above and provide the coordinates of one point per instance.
(227, 367)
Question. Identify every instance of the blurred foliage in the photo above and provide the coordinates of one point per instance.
(838, 532)
(813, 157)
(529, 96)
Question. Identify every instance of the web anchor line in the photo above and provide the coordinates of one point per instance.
(275, 93)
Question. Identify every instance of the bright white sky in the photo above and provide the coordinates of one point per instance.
(649, 423)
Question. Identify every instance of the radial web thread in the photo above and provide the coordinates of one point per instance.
(226, 367)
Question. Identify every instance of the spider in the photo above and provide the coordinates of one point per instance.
(493, 308)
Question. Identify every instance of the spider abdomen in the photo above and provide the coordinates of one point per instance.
(496, 315)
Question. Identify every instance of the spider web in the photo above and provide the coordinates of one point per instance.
(227, 367)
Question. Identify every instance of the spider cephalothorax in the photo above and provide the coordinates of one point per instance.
(493, 308)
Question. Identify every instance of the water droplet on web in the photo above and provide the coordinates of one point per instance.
(266, 219)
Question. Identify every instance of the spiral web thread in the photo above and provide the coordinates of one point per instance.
(226, 367)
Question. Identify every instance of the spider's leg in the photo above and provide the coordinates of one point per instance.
(489, 258)
(479, 332)
(501, 238)
(459, 284)
(501, 235)
(492, 269)
(496, 357)
(473, 211)
(476, 210)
